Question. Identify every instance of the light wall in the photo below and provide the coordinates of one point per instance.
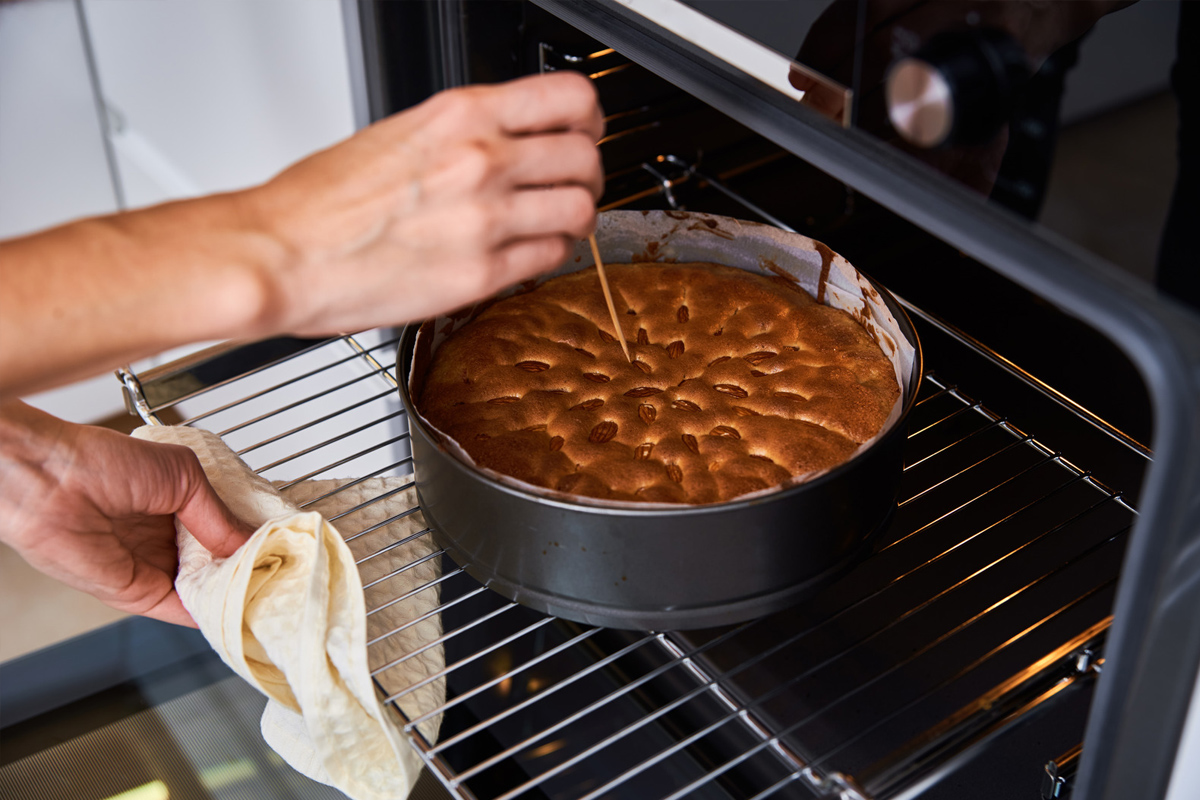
(201, 97)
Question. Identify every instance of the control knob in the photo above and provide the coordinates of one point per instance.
(958, 89)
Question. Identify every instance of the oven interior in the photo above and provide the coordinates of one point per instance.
(961, 658)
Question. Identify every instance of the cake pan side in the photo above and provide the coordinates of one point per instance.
(662, 569)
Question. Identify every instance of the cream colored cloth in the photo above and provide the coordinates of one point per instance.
(288, 613)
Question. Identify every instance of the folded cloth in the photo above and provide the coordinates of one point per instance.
(287, 613)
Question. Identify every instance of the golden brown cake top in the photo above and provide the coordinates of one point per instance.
(739, 382)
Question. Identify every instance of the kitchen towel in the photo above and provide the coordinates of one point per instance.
(288, 613)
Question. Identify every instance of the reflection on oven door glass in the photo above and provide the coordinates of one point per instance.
(1063, 112)
(756, 38)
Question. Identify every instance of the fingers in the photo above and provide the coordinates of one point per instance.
(530, 257)
(204, 514)
(147, 590)
(462, 167)
(553, 101)
(542, 160)
(170, 609)
(819, 95)
(567, 211)
(475, 228)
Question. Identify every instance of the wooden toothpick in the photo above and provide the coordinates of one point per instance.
(612, 310)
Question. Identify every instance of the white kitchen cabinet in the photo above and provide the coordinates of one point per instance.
(200, 98)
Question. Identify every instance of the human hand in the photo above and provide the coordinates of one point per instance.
(473, 190)
(96, 510)
(426, 211)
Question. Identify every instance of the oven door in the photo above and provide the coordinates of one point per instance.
(1051, 345)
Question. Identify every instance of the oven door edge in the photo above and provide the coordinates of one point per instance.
(1136, 722)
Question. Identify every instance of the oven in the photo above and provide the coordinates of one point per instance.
(1025, 626)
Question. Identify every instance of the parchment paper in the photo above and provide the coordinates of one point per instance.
(681, 237)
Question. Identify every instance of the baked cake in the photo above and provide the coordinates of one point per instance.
(739, 382)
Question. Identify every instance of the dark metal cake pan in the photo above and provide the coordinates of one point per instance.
(656, 568)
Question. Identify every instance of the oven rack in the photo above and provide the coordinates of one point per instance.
(541, 707)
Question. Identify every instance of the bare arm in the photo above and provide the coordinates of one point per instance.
(94, 294)
(420, 213)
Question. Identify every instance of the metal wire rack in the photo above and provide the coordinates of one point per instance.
(988, 594)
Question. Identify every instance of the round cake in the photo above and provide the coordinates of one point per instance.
(739, 383)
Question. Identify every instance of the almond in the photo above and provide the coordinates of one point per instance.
(603, 432)
(759, 357)
(731, 390)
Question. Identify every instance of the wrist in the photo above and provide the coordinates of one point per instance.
(263, 293)
(254, 292)
(35, 439)
(32, 456)
(212, 265)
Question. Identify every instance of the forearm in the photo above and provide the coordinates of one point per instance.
(97, 293)
(421, 213)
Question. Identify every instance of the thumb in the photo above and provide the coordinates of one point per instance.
(170, 609)
(206, 516)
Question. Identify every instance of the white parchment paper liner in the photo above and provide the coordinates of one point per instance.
(682, 237)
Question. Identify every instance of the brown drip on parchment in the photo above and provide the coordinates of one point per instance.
(826, 263)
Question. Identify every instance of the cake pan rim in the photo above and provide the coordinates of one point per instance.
(632, 509)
